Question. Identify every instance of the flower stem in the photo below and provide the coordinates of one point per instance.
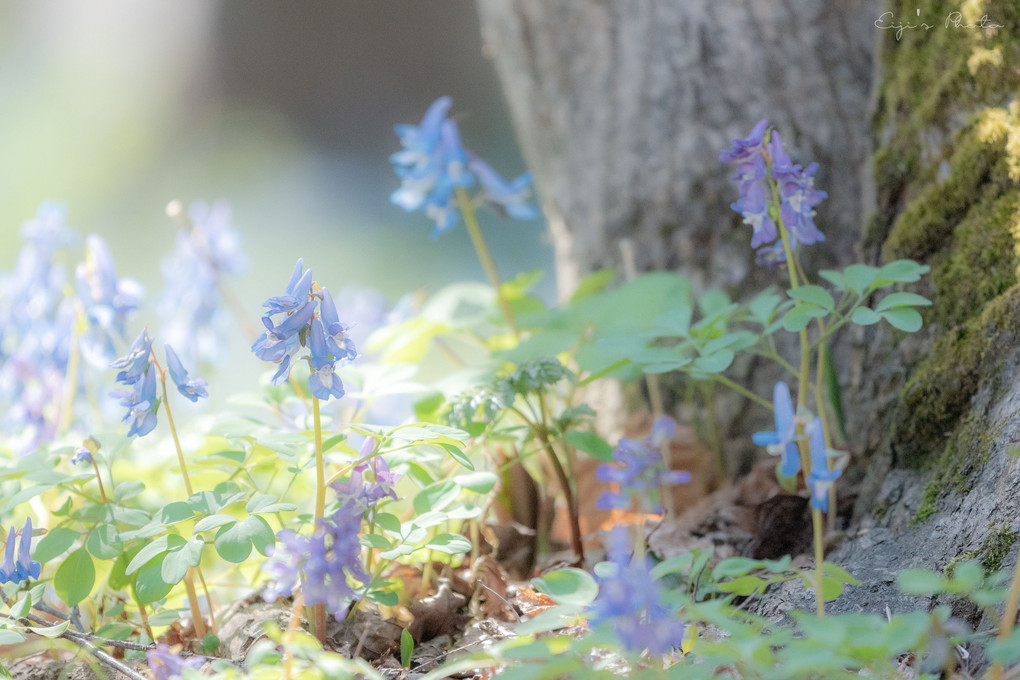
(467, 210)
(99, 479)
(320, 508)
(741, 390)
(816, 520)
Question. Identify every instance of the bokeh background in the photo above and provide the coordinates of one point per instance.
(285, 109)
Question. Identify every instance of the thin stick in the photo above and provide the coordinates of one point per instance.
(320, 509)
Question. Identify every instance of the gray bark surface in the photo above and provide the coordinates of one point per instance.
(622, 108)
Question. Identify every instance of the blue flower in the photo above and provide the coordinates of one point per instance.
(781, 442)
(165, 665)
(640, 471)
(821, 478)
(105, 299)
(140, 403)
(192, 389)
(434, 163)
(16, 571)
(135, 361)
(744, 149)
(631, 603)
(323, 383)
(508, 198)
(81, 455)
(338, 343)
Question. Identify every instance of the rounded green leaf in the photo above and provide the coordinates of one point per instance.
(75, 577)
(436, 496)
(479, 482)
(10, 637)
(920, 582)
(714, 363)
(213, 522)
(568, 586)
(903, 318)
(902, 300)
(451, 544)
(864, 316)
(104, 542)
(149, 584)
(858, 277)
(54, 543)
(800, 316)
(815, 295)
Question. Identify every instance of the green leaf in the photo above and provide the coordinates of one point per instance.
(835, 278)
(50, 631)
(568, 586)
(157, 547)
(176, 562)
(1002, 651)
(54, 543)
(591, 284)
(902, 300)
(118, 573)
(863, 316)
(920, 582)
(900, 271)
(903, 318)
(743, 585)
(858, 277)
(735, 566)
(458, 455)
(375, 541)
(213, 522)
(10, 637)
(815, 295)
(406, 648)
(592, 444)
(478, 482)
(75, 577)
(234, 542)
(714, 363)
(800, 316)
(264, 502)
(164, 617)
(126, 490)
(436, 496)
(104, 542)
(175, 512)
(665, 367)
(149, 584)
(763, 305)
(388, 521)
(451, 544)
(838, 572)
(387, 598)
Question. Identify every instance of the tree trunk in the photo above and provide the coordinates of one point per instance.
(622, 108)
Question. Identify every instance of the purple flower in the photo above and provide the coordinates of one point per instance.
(640, 471)
(762, 171)
(358, 494)
(165, 665)
(631, 603)
(192, 389)
(781, 442)
(821, 478)
(797, 192)
(322, 563)
(106, 300)
(16, 571)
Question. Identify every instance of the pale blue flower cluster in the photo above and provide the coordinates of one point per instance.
(48, 311)
(762, 166)
(433, 163)
(298, 325)
(24, 567)
(139, 373)
(631, 603)
(639, 470)
(207, 251)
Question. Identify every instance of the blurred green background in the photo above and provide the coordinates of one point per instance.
(285, 109)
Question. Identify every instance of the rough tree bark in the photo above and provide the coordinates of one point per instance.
(622, 107)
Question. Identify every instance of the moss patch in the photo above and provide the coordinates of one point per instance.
(992, 553)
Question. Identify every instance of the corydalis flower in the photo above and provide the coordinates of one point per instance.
(297, 325)
(24, 567)
(781, 441)
(165, 665)
(640, 471)
(358, 494)
(322, 564)
(434, 163)
(140, 373)
(631, 603)
(821, 478)
(761, 166)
